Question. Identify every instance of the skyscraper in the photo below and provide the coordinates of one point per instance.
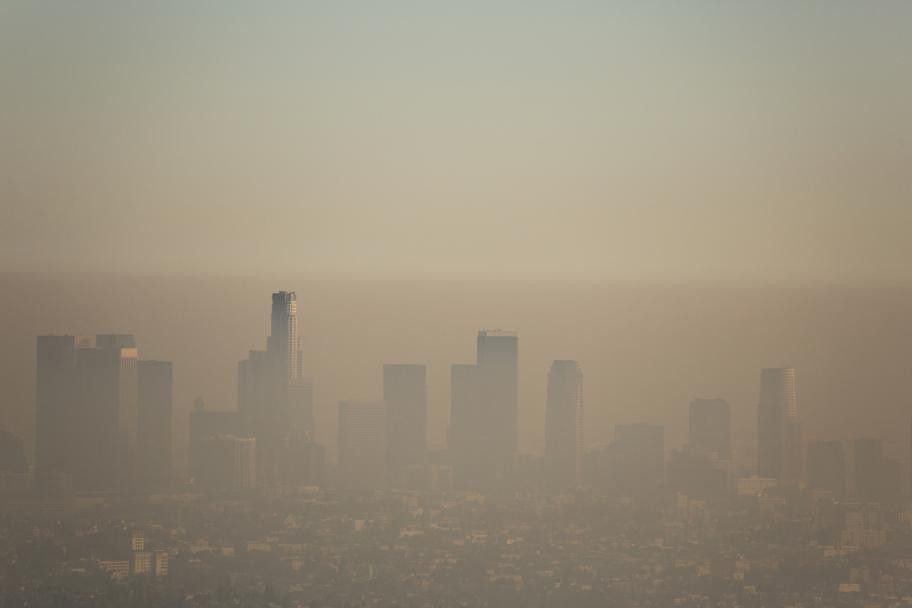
(710, 427)
(778, 427)
(405, 394)
(283, 339)
(484, 412)
(122, 349)
(498, 368)
(155, 409)
(274, 399)
(564, 426)
(87, 410)
(362, 447)
(104, 424)
(54, 402)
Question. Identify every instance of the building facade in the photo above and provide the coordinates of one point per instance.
(564, 426)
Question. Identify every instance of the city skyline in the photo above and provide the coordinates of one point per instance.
(744, 393)
(108, 399)
(481, 304)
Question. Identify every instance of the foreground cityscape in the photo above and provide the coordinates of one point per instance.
(264, 518)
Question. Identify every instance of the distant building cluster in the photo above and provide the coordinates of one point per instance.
(262, 518)
(103, 416)
(104, 421)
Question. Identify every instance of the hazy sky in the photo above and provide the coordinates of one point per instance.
(593, 140)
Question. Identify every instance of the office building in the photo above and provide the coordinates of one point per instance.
(779, 448)
(55, 401)
(275, 401)
(282, 344)
(564, 426)
(104, 421)
(498, 367)
(484, 412)
(154, 420)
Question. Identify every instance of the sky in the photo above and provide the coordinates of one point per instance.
(595, 141)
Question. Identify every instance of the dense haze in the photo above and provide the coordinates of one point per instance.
(646, 351)
(533, 140)
(400, 154)
(668, 196)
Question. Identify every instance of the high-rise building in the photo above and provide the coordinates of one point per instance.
(498, 366)
(564, 426)
(362, 447)
(104, 425)
(826, 467)
(87, 405)
(276, 401)
(710, 427)
(638, 455)
(55, 401)
(779, 449)
(283, 339)
(405, 394)
(155, 409)
(484, 412)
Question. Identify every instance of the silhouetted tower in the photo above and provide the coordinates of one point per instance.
(564, 426)
(55, 388)
(104, 426)
(498, 368)
(778, 427)
(276, 402)
(283, 339)
(155, 411)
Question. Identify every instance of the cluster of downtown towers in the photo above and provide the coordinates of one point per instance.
(104, 422)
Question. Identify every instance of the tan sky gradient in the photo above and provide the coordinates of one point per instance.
(640, 141)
